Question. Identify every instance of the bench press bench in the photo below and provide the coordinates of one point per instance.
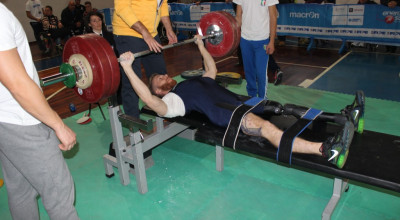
(373, 158)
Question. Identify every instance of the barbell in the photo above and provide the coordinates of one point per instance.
(91, 68)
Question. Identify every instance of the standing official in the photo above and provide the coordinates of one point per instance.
(258, 30)
(135, 25)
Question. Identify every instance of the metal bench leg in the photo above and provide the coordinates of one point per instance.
(219, 157)
(339, 187)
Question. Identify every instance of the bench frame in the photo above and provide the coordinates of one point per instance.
(133, 154)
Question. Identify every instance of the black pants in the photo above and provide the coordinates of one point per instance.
(152, 63)
(37, 29)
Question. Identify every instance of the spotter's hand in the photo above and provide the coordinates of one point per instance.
(126, 59)
(171, 37)
(152, 43)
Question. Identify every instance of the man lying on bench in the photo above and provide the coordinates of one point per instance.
(203, 94)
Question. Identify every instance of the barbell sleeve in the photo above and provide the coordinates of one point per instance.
(50, 80)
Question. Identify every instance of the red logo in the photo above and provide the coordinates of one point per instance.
(389, 19)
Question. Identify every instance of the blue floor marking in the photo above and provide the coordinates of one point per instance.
(378, 75)
(48, 63)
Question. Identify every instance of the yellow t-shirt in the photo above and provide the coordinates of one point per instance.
(128, 12)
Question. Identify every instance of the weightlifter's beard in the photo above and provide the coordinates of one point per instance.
(169, 85)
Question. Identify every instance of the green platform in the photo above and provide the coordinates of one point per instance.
(183, 183)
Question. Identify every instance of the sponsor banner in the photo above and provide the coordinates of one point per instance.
(186, 16)
(370, 23)
(183, 16)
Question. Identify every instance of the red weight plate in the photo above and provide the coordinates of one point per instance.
(98, 63)
(97, 41)
(115, 76)
(225, 46)
(223, 22)
(236, 29)
(226, 14)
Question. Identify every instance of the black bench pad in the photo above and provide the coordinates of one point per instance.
(374, 158)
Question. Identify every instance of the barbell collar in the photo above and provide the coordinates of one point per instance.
(67, 75)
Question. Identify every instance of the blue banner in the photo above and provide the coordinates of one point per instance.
(107, 14)
(370, 23)
(186, 16)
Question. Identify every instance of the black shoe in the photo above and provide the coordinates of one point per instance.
(336, 149)
(59, 48)
(47, 51)
(278, 77)
(355, 111)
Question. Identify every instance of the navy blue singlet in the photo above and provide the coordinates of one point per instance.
(202, 94)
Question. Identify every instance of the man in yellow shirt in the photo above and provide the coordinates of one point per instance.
(135, 25)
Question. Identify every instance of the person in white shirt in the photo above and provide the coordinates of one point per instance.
(258, 29)
(34, 11)
(31, 132)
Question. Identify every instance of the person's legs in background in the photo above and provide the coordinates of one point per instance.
(239, 54)
(154, 63)
(249, 67)
(275, 74)
(272, 65)
(37, 29)
(261, 65)
(281, 40)
(129, 98)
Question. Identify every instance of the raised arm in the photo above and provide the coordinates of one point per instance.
(155, 103)
(209, 63)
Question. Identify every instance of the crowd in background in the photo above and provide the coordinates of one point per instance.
(49, 29)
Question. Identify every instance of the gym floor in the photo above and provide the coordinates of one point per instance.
(183, 183)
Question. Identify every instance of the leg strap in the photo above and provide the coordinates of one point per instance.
(284, 153)
(233, 128)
